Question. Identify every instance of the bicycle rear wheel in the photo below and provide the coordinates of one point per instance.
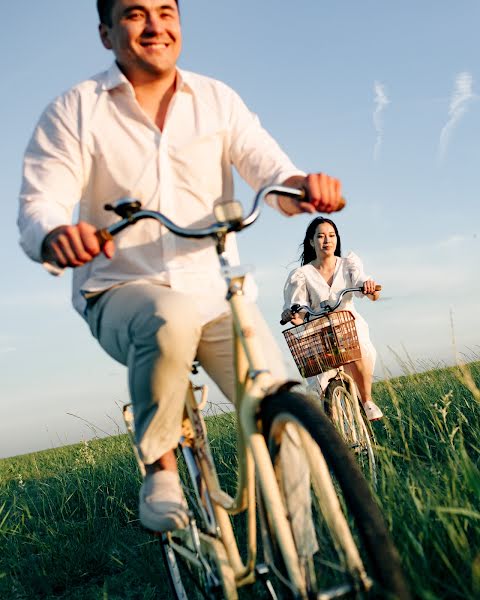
(345, 414)
(342, 541)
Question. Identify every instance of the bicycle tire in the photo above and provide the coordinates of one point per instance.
(186, 581)
(371, 536)
(352, 427)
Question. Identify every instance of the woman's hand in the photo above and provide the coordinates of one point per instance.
(294, 318)
(369, 289)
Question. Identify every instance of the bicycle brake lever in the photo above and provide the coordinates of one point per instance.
(293, 309)
(125, 207)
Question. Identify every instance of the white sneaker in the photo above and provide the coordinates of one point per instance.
(372, 411)
(162, 504)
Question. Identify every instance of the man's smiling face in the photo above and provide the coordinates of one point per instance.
(145, 36)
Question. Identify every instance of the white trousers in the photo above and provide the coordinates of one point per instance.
(157, 333)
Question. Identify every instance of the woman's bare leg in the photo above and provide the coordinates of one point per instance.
(362, 374)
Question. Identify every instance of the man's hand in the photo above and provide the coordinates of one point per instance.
(323, 194)
(74, 245)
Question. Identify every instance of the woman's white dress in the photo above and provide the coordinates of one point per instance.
(306, 286)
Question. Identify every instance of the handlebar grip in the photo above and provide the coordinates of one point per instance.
(103, 235)
(378, 288)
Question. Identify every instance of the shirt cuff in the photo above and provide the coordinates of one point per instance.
(272, 199)
(53, 269)
(33, 234)
(274, 203)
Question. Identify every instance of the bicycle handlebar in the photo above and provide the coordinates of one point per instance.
(131, 211)
(327, 309)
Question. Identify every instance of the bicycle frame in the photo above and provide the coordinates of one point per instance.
(216, 543)
(340, 374)
(253, 382)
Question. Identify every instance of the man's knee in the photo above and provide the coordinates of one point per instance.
(145, 316)
(172, 327)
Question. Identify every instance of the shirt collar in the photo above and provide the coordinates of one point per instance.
(184, 81)
(114, 78)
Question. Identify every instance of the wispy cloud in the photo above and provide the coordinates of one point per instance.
(461, 98)
(453, 240)
(381, 100)
(416, 269)
(7, 349)
(7, 344)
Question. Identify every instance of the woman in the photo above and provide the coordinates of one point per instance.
(323, 274)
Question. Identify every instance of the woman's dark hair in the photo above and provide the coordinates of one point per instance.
(308, 253)
(104, 8)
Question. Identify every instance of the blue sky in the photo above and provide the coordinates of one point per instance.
(382, 94)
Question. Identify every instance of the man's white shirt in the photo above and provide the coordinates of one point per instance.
(94, 145)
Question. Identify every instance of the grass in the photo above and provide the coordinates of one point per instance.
(430, 478)
(68, 521)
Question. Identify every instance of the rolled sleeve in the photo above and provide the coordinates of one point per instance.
(52, 179)
(255, 154)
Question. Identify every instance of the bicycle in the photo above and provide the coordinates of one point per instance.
(351, 553)
(323, 346)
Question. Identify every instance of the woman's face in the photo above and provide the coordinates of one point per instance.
(324, 240)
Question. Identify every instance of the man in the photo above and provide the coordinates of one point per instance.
(146, 129)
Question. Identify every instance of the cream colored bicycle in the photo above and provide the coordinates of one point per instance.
(320, 348)
(343, 548)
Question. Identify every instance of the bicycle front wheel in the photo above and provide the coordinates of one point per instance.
(344, 411)
(342, 541)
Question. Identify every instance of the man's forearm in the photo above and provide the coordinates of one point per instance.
(289, 206)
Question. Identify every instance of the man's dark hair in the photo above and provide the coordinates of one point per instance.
(104, 8)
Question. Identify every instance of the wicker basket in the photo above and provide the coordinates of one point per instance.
(324, 343)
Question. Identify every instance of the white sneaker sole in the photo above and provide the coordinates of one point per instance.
(167, 516)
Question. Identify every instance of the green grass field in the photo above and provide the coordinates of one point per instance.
(69, 529)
